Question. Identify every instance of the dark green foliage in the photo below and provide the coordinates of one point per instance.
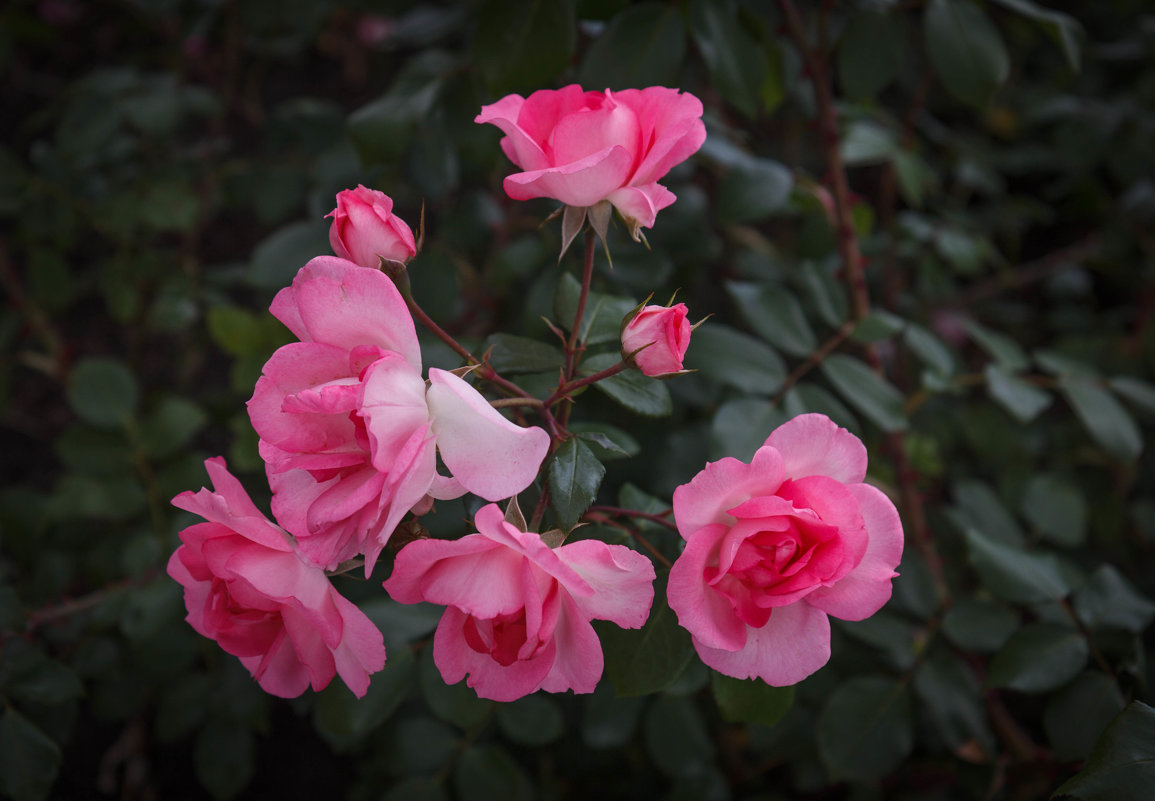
(165, 170)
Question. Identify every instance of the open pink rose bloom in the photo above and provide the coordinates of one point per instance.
(775, 546)
(247, 588)
(350, 431)
(585, 147)
(518, 612)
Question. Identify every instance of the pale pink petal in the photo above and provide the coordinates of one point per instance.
(580, 183)
(345, 305)
(229, 504)
(472, 573)
(794, 643)
(578, 662)
(489, 679)
(641, 204)
(700, 609)
(576, 136)
(622, 580)
(518, 145)
(489, 455)
(814, 445)
(393, 407)
(867, 588)
(722, 485)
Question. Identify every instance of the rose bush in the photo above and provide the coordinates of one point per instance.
(518, 616)
(246, 587)
(348, 429)
(774, 546)
(658, 337)
(365, 230)
(585, 147)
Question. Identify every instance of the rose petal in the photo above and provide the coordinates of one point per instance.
(489, 455)
(814, 445)
(794, 643)
(723, 485)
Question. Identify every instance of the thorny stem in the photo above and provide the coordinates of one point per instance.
(568, 387)
(661, 519)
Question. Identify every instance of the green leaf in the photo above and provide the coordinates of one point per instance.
(735, 359)
(602, 319)
(513, 354)
(1122, 764)
(29, 759)
(966, 50)
(421, 745)
(224, 757)
(488, 773)
(776, 314)
(741, 426)
(866, 391)
(826, 293)
(953, 699)
(753, 190)
(1056, 507)
(1064, 28)
(867, 142)
(1038, 658)
(1077, 714)
(676, 738)
(344, 720)
(999, 347)
(870, 53)
(522, 46)
(806, 397)
(1140, 393)
(1108, 600)
(278, 257)
(737, 64)
(236, 331)
(979, 507)
(877, 326)
(103, 392)
(975, 624)
(574, 477)
(1014, 574)
(631, 388)
(866, 728)
(930, 350)
(1023, 401)
(750, 701)
(646, 660)
(534, 720)
(171, 426)
(644, 45)
(1107, 421)
(607, 720)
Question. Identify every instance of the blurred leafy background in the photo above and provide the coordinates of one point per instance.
(165, 166)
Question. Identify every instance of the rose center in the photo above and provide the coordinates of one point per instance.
(502, 637)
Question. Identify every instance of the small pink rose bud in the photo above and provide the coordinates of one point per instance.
(364, 229)
(664, 333)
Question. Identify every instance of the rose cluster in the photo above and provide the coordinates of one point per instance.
(355, 438)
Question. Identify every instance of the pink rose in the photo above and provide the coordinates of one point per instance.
(246, 587)
(585, 147)
(774, 546)
(364, 230)
(518, 613)
(664, 332)
(349, 430)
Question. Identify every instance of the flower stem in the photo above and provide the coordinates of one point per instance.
(574, 346)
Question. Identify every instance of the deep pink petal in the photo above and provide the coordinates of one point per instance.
(867, 588)
(488, 678)
(814, 445)
(794, 643)
(362, 648)
(489, 455)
